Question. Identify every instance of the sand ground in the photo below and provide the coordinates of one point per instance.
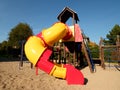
(13, 78)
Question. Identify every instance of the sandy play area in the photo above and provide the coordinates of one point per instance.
(13, 78)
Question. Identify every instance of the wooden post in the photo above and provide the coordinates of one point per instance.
(74, 54)
(102, 58)
(101, 53)
(59, 53)
(118, 47)
(64, 49)
(21, 56)
(100, 46)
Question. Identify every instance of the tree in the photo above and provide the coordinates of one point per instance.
(3, 47)
(113, 35)
(20, 32)
(94, 48)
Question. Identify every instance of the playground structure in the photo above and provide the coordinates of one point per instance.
(39, 48)
(71, 51)
(113, 52)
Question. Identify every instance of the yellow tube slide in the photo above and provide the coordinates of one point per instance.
(36, 46)
(59, 71)
(55, 33)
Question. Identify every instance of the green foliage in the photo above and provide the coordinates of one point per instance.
(113, 35)
(3, 47)
(20, 32)
(94, 49)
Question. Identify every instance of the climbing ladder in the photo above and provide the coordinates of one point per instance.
(88, 54)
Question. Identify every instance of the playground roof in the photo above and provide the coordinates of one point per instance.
(66, 14)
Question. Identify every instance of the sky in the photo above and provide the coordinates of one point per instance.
(97, 17)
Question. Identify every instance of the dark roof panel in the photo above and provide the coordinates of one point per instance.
(66, 14)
